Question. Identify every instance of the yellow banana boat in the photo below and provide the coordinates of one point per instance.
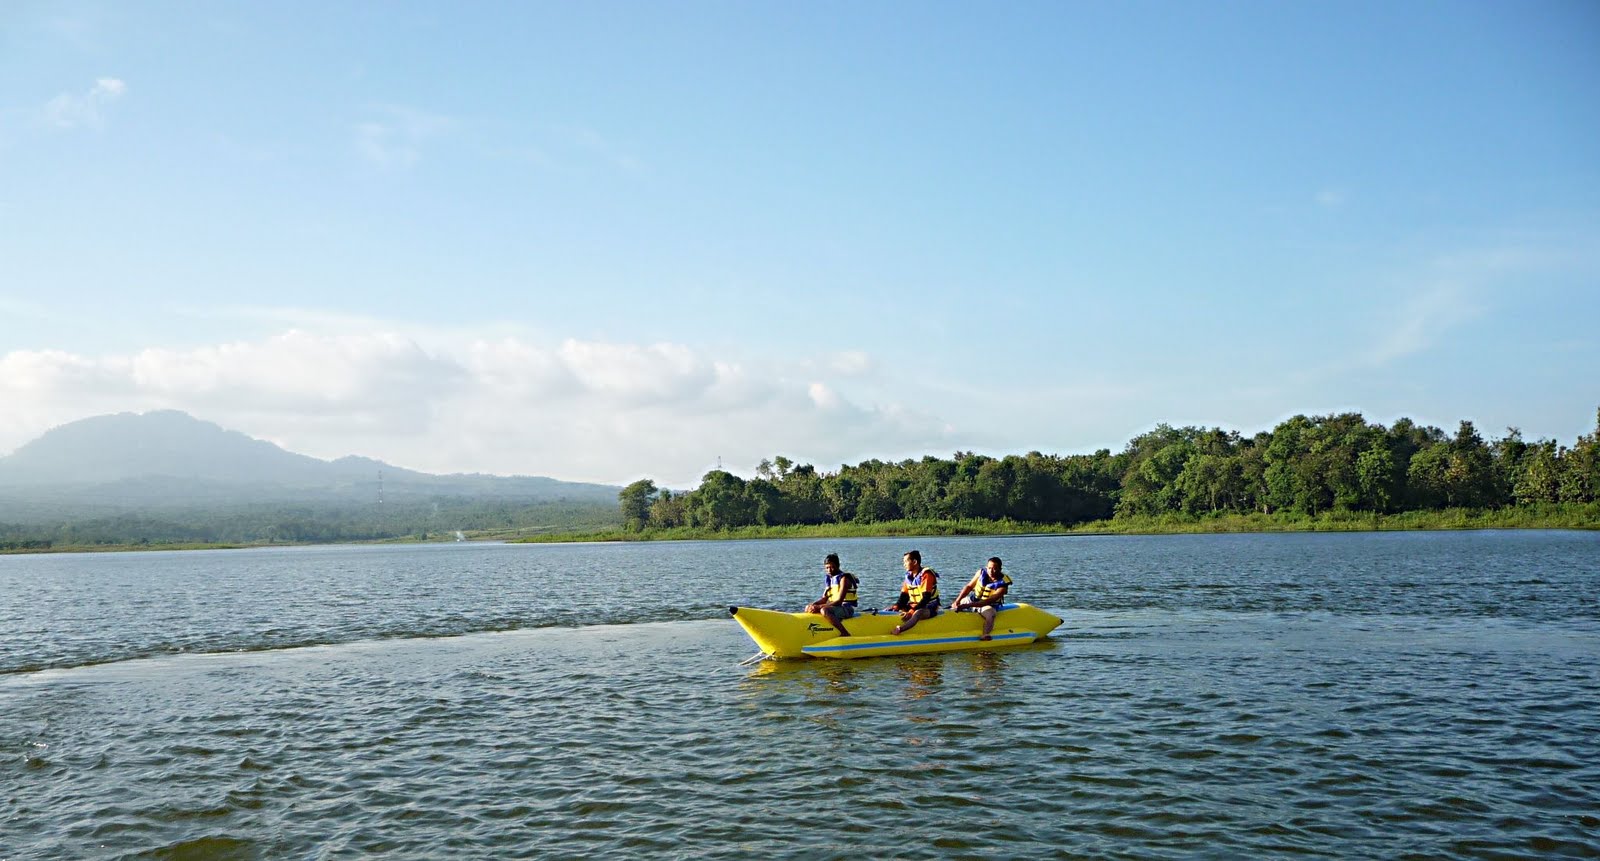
(796, 635)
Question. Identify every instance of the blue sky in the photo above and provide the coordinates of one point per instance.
(604, 241)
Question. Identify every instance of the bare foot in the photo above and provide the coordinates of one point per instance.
(985, 637)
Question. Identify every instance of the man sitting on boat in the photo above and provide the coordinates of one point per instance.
(838, 599)
(919, 593)
(984, 594)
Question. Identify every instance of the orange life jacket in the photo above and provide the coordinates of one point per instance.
(922, 583)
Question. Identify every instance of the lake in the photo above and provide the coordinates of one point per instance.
(1338, 695)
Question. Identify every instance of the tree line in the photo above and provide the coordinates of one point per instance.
(1305, 465)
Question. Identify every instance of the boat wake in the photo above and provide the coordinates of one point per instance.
(162, 653)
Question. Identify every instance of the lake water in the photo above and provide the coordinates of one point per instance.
(1351, 695)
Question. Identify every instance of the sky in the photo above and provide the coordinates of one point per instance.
(606, 241)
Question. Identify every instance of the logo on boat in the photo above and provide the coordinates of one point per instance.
(817, 629)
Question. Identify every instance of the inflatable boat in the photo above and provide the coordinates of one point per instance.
(799, 635)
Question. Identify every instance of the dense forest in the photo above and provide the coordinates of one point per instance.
(1303, 466)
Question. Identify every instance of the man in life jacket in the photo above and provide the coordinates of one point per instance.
(984, 594)
(919, 593)
(838, 601)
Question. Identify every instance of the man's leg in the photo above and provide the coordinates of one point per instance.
(988, 621)
(833, 615)
(911, 622)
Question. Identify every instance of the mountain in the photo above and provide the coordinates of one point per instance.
(168, 443)
(171, 460)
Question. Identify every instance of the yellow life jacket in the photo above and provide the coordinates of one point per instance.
(915, 590)
(842, 588)
(987, 587)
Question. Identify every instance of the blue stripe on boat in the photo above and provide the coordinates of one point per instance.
(853, 646)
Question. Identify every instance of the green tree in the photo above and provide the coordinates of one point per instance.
(670, 510)
(770, 508)
(842, 495)
(1427, 477)
(1508, 453)
(1405, 440)
(1377, 476)
(1208, 483)
(721, 502)
(1285, 484)
(1154, 460)
(1090, 486)
(1538, 475)
(803, 495)
(636, 500)
(992, 487)
(1334, 446)
(1580, 468)
(876, 505)
(924, 492)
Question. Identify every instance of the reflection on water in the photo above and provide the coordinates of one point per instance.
(988, 671)
(922, 674)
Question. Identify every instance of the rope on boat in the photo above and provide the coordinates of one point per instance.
(758, 656)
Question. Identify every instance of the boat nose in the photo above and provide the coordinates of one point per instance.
(733, 611)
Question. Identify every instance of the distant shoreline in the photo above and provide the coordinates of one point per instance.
(122, 548)
(1571, 516)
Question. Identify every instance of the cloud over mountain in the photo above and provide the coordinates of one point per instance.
(582, 409)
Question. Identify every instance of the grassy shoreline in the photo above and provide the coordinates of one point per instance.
(1532, 517)
(1569, 516)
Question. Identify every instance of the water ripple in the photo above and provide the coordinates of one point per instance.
(1159, 728)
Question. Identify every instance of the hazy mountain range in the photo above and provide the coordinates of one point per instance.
(169, 460)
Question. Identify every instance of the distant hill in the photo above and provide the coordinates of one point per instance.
(169, 460)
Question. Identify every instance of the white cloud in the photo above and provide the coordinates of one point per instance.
(1452, 290)
(824, 397)
(1431, 302)
(393, 139)
(1422, 319)
(86, 110)
(574, 409)
(26, 372)
(295, 370)
(634, 374)
(514, 369)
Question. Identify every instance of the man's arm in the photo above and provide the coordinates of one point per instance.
(965, 591)
(901, 601)
(927, 593)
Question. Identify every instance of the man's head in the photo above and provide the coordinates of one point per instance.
(830, 563)
(994, 565)
(912, 560)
